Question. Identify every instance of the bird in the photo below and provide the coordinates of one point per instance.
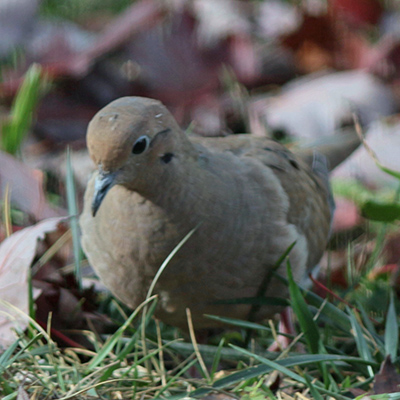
(244, 199)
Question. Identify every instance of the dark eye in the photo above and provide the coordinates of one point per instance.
(141, 145)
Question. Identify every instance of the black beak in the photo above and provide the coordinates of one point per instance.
(103, 183)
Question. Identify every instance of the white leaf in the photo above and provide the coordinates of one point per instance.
(16, 256)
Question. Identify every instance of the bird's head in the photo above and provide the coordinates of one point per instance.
(132, 141)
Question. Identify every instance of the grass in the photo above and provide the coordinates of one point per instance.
(15, 128)
(339, 349)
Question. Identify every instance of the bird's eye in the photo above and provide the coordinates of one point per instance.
(141, 144)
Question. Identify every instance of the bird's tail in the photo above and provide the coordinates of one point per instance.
(335, 148)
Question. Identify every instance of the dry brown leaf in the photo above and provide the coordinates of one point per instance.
(16, 256)
(387, 380)
(26, 187)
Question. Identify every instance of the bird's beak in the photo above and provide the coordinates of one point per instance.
(103, 183)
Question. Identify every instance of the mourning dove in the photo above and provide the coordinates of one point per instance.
(248, 199)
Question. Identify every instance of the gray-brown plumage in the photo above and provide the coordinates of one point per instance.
(250, 199)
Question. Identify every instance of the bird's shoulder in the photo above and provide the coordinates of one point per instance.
(246, 146)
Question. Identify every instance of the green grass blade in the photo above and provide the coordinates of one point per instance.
(112, 341)
(259, 370)
(175, 377)
(239, 323)
(5, 357)
(384, 396)
(266, 282)
(366, 320)
(361, 343)
(272, 364)
(128, 348)
(330, 311)
(217, 358)
(369, 326)
(284, 370)
(313, 390)
(303, 314)
(73, 212)
(32, 309)
(256, 301)
(13, 132)
(6, 360)
(11, 396)
(391, 330)
(389, 171)
(168, 259)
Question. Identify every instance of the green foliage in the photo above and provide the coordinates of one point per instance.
(361, 342)
(14, 130)
(304, 316)
(391, 331)
(384, 212)
(375, 207)
(78, 9)
(73, 213)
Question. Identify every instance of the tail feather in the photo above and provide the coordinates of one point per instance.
(335, 148)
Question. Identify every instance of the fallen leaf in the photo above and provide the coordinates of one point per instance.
(358, 12)
(26, 186)
(314, 43)
(22, 394)
(220, 19)
(346, 215)
(276, 18)
(318, 104)
(387, 380)
(16, 256)
(55, 162)
(139, 16)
